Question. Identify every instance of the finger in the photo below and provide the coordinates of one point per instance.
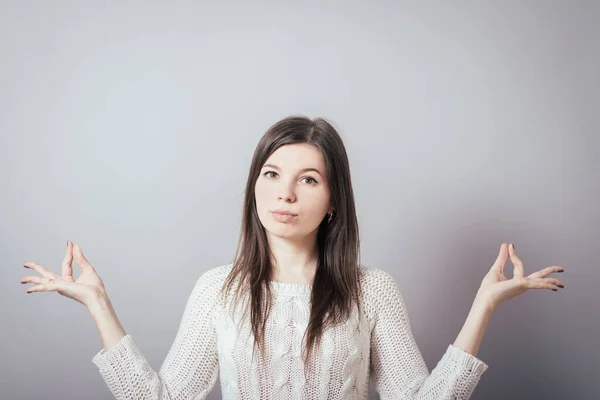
(546, 271)
(554, 281)
(67, 263)
(43, 271)
(545, 283)
(33, 279)
(501, 260)
(518, 270)
(80, 258)
(47, 285)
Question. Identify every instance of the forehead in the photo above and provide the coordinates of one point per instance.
(298, 155)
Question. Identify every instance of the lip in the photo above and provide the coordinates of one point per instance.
(283, 212)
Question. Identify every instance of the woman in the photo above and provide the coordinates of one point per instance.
(322, 323)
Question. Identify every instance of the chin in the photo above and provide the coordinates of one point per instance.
(283, 232)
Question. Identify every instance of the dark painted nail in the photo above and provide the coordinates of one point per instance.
(561, 270)
(560, 286)
(555, 290)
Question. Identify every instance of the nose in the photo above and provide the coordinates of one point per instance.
(286, 191)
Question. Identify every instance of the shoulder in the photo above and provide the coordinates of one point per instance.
(373, 280)
(211, 280)
(380, 292)
(216, 273)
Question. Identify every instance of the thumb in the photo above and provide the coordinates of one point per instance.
(80, 258)
(502, 258)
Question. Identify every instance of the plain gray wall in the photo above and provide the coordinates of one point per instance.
(129, 129)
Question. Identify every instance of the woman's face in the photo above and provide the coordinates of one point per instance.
(293, 180)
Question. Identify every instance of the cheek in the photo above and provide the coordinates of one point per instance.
(319, 204)
(260, 196)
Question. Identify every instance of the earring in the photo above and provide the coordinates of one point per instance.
(330, 218)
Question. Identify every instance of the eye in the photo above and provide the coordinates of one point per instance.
(313, 181)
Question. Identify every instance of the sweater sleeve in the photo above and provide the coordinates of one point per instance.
(398, 370)
(191, 366)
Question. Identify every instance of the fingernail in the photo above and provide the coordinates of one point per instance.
(561, 270)
(555, 290)
(560, 286)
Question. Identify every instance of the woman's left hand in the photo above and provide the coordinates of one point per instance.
(496, 288)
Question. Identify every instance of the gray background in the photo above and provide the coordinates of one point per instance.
(129, 129)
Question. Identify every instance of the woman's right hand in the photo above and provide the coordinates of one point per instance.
(85, 289)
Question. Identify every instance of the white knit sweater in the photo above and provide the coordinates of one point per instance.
(211, 341)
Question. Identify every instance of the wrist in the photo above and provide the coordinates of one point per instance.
(97, 301)
(484, 302)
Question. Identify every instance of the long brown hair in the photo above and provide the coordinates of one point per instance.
(336, 284)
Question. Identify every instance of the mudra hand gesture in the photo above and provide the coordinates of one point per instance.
(497, 288)
(83, 289)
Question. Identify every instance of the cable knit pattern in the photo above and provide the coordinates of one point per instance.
(213, 341)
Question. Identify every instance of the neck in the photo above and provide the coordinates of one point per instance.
(293, 260)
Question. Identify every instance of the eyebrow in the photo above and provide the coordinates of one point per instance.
(302, 170)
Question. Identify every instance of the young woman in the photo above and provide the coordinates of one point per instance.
(321, 323)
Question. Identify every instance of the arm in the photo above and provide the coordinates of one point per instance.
(109, 327)
(470, 336)
(397, 366)
(191, 367)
